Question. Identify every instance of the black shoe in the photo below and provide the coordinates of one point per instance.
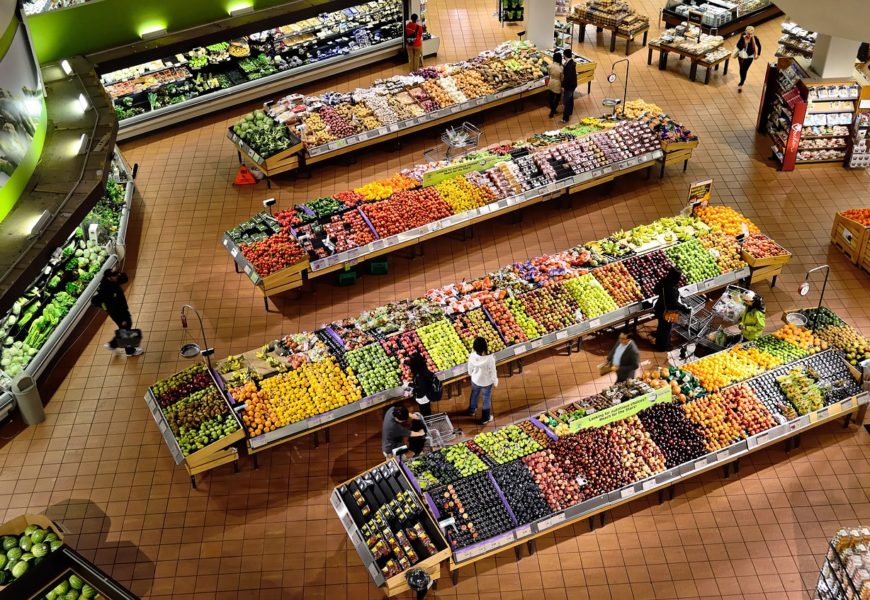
(487, 420)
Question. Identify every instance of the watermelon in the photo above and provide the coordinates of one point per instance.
(76, 582)
(19, 569)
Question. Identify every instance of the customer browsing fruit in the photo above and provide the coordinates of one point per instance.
(481, 369)
(569, 84)
(398, 426)
(554, 83)
(624, 357)
(753, 318)
(668, 307)
(424, 385)
(110, 298)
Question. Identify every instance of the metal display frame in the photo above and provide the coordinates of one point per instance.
(55, 342)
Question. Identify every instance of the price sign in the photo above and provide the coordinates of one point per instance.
(226, 242)
(248, 270)
(537, 344)
(649, 484)
(700, 464)
(520, 350)
(846, 404)
(523, 531)
(551, 522)
(723, 454)
(234, 252)
(626, 492)
(561, 335)
(594, 323)
(757, 440)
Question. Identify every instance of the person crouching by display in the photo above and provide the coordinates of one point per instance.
(624, 357)
(424, 386)
(481, 369)
(667, 308)
(398, 425)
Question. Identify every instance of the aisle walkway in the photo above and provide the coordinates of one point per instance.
(99, 465)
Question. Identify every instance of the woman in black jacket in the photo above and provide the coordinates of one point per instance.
(748, 49)
(668, 290)
(423, 385)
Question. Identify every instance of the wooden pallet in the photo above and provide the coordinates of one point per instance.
(849, 236)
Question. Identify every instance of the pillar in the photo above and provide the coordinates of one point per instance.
(540, 17)
(834, 56)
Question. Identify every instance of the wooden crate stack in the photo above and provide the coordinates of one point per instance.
(853, 239)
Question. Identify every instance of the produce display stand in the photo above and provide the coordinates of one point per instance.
(765, 268)
(517, 352)
(614, 32)
(850, 237)
(676, 152)
(219, 452)
(305, 157)
(697, 60)
(62, 331)
(726, 458)
(838, 577)
(349, 514)
(411, 237)
(291, 278)
(736, 25)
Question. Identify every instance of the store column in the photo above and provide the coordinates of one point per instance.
(834, 56)
(540, 16)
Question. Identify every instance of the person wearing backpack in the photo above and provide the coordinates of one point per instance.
(481, 369)
(424, 385)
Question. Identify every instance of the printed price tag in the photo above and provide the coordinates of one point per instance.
(226, 242)
(700, 464)
(520, 350)
(502, 204)
(234, 252)
(561, 335)
(248, 270)
(626, 492)
(393, 127)
(552, 187)
(846, 404)
(479, 101)
(594, 323)
(723, 455)
(823, 413)
(649, 484)
(551, 522)
(537, 344)
(523, 531)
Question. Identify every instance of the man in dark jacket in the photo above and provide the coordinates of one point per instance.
(110, 298)
(569, 84)
(624, 357)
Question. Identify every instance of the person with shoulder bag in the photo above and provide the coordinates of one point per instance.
(668, 307)
(110, 298)
(554, 83)
(569, 84)
(424, 386)
(748, 49)
(414, 42)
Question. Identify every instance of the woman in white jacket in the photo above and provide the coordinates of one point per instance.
(481, 369)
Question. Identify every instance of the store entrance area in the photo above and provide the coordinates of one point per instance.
(98, 465)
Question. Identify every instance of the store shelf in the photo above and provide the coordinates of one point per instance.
(251, 90)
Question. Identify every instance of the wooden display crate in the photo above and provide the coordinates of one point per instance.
(849, 236)
(669, 147)
(770, 272)
(16, 527)
(285, 279)
(767, 261)
(864, 260)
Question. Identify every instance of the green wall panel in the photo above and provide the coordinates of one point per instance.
(103, 24)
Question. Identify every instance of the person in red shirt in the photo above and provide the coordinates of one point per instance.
(414, 42)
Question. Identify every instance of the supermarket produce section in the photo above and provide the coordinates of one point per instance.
(431, 199)
(522, 309)
(503, 488)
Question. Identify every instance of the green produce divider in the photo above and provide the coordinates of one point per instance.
(624, 410)
(11, 191)
(103, 24)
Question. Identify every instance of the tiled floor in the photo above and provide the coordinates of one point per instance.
(99, 466)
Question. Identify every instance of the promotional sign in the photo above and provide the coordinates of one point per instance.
(438, 175)
(622, 410)
(700, 192)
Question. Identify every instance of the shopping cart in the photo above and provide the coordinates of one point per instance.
(709, 330)
(439, 432)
